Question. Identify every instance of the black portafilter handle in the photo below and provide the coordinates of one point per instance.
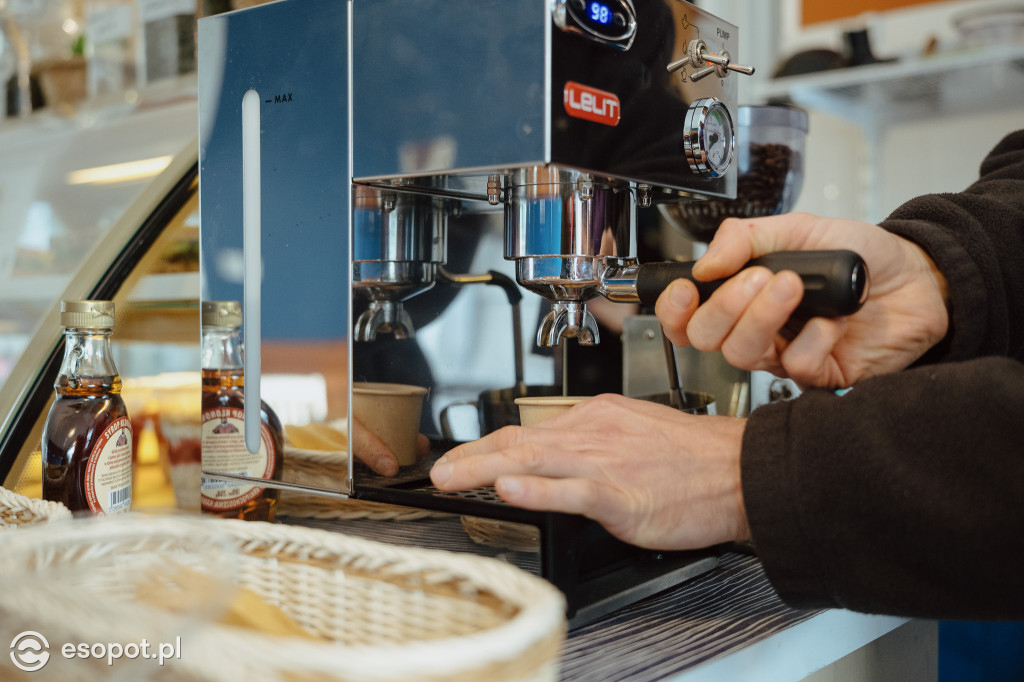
(835, 282)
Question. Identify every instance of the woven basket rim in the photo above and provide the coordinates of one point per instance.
(42, 511)
(540, 615)
(316, 456)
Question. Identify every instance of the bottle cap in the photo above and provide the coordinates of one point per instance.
(87, 314)
(222, 314)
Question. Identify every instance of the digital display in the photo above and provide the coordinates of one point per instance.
(599, 13)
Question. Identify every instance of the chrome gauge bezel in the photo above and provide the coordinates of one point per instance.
(694, 147)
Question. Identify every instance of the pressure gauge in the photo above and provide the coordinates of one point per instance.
(709, 140)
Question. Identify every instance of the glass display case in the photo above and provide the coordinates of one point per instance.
(102, 204)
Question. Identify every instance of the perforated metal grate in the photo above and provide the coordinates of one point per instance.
(488, 494)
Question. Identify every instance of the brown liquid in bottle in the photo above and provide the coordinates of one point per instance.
(76, 422)
(222, 389)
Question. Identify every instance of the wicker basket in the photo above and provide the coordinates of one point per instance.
(368, 611)
(19, 511)
(329, 469)
(519, 537)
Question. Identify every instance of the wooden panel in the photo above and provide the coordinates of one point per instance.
(814, 11)
(173, 323)
(328, 358)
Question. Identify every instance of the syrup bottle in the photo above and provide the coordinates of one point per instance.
(87, 445)
(223, 423)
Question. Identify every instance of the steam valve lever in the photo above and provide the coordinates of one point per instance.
(698, 57)
(835, 282)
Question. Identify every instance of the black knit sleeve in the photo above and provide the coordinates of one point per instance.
(904, 495)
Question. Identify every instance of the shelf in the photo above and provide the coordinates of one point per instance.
(34, 288)
(176, 286)
(945, 84)
(170, 324)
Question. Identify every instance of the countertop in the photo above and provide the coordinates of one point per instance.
(728, 624)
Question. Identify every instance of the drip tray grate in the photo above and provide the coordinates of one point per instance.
(597, 572)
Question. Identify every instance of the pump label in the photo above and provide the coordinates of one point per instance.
(224, 452)
(108, 475)
(591, 104)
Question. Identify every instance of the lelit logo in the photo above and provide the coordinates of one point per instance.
(591, 104)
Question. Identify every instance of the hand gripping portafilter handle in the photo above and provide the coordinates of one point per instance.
(835, 282)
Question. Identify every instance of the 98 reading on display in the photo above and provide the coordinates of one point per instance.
(600, 13)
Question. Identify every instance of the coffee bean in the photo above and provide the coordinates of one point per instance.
(764, 186)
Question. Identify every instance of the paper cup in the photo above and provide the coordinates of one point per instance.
(536, 409)
(392, 413)
(696, 402)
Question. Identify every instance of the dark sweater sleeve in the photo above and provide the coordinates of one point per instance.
(904, 496)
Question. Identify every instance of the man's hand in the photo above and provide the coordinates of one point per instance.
(746, 318)
(375, 453)
(651, 475)
(366, 446)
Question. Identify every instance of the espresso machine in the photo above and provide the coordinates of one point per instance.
(349, 149)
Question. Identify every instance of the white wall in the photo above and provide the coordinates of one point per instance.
(940, 155)
(835, 162)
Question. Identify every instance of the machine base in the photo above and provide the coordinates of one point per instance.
(597, 572)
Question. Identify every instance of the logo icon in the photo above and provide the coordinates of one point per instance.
(29, 651)
(591, 104)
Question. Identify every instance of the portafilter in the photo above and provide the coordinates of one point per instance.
(398, 246)
(573, 237)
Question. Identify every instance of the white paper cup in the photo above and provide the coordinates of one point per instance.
(536, 409)
(392, 413)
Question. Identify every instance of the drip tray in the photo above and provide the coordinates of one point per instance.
(597, 572)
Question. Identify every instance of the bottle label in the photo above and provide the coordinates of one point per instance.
(108, 475)
(224, 452)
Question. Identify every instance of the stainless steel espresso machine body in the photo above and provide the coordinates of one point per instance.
(567, 115)
(355, 158)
